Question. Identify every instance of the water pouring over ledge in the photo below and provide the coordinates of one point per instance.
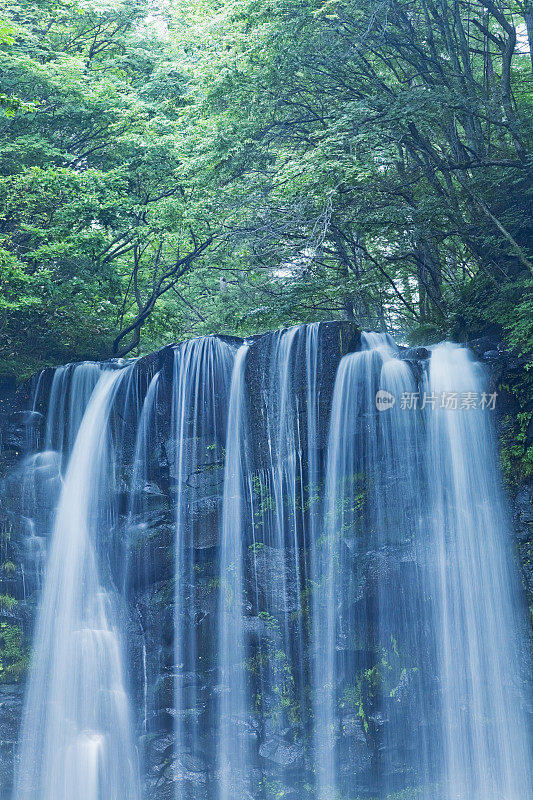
(77, 732)
(486, 735)
(340, 563)
(366, 646)
(200, 385)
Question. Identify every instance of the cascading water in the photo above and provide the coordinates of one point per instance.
(72, 387)
(486, 741)
(270, 506)
(70, 391)
(285, 519)
(77, 734)
(201, 379)
(137, 562)
(140, 495)
(366, 588)
(297, 610)
(413, 482)
(234, 758)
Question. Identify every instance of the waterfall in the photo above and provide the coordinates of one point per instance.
(285, 490)
(476, 617)
(77, 734)
(72, 387)
(234, 758)
(140, 489)
(276, 569)
(433, 601)
(70, 391)
(200, 387)
(138, 562)
(366, 588)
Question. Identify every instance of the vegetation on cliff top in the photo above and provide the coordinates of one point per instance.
(170, 169)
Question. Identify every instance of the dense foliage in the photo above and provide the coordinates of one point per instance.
(169, 169)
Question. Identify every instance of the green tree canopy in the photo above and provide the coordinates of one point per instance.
(175, 169)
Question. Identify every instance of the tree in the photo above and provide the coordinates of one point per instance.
(176, 171)
(93, 196)
(378, 145)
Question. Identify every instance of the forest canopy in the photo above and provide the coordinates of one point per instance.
(169, 169)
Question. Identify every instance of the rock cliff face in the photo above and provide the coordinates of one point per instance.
(141, 562)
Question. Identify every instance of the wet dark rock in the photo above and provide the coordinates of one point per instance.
(281, 752)
(205, 512)
(336, 340)
(11, 705)
(269, 565)
(523, 524)
(483, 345)
(523, 504)
(414, 353)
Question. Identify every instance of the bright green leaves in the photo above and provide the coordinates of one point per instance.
(90, 165)
(14, 658)
(341, 159)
